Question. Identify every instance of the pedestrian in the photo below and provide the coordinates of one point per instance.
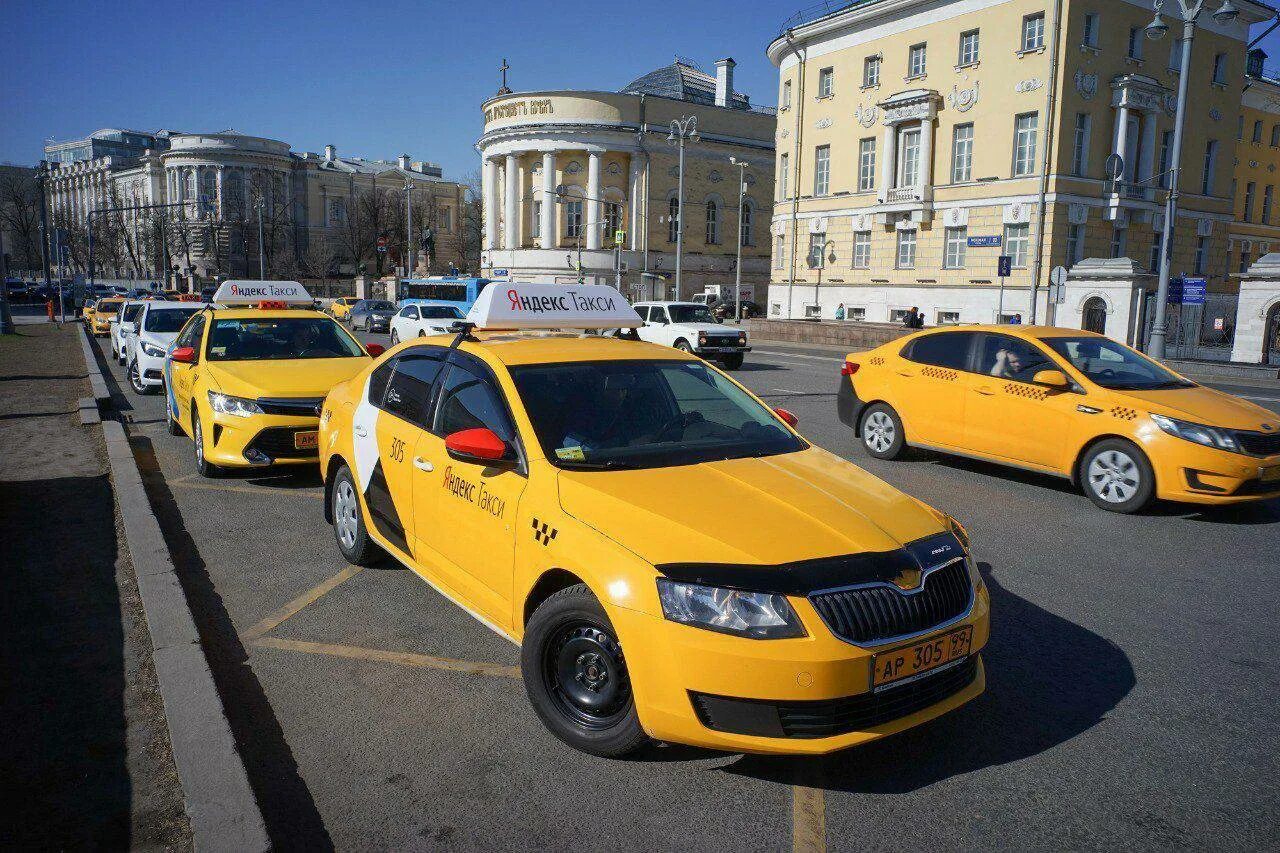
(913, 319)
(840, 311)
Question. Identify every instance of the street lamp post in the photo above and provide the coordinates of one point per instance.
(1157, 29)
(262, 257)
(737, 277)
(683, 130)
(408, 231)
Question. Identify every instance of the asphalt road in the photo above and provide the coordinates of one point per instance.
(1130, 702)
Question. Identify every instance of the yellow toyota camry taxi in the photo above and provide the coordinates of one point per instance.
(246, 375)
(675, 560)
(104, 311)
(1075, 404)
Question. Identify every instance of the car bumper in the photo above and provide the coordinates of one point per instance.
(150, 368)
(699, 687)
(260, 441)
(714, 351)
(378, 325)
(1190, 473)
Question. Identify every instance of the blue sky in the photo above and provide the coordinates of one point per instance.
(375, 79)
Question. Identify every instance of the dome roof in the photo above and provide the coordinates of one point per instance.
(683, 81)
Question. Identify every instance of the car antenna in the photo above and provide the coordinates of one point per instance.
(463, 331)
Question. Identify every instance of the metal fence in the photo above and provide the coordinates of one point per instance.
(1204, 332)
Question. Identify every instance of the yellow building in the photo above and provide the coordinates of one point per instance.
(1256, 229)
(567, 172)
(908, 130)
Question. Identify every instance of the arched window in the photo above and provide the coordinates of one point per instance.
(191, 185)
(673, 220)
(612, 220)
(1095, 315)
(1257, 131)
(713, 223)
(745, 237)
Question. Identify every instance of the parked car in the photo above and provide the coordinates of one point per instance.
(372, 315)
(418, 319)
(123, 328)
(690, 327)
(341, 307)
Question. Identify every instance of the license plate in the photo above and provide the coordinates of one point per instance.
(1271, 475)
(908, 661)
(306, 440)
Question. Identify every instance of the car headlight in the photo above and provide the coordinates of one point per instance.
(225, 404)
(152, 350)
(1219, 439)
(757, 615)
(962, 536)
(702, 340)
(742, 337)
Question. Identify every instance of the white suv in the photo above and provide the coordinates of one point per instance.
(418, 318)
(690, 327)
(154, 330)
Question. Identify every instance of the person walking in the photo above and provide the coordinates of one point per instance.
(840, 312)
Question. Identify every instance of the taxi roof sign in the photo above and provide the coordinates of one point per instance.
(523, 305)
(251, 292)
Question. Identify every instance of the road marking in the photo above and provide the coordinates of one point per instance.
(789, 391)
(188, 483)
(386, 656)
(308, 598)
(808, 820)
(796, 355)
(1262, 399)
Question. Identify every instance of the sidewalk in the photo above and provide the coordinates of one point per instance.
(86, 750)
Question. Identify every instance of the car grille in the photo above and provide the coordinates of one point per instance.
(294, 406)
(724, 342)
(830, 717)
(873, 614)
(1259, 443)
(277, 443)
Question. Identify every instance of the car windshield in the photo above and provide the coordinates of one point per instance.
(279, 338)
(167, 319)
(105, 307)
(131, 313)
(645, 414)
(379, 306)
(1114, 366)
(691, 314)
(440, 312)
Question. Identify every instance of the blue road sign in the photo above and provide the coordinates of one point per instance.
(501, 273)
(986, 241)
(1187, 291)
(1004, 267)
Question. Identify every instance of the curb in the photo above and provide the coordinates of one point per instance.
(97, 384)
(219, 801)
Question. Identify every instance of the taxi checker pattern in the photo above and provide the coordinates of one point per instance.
(543, 532)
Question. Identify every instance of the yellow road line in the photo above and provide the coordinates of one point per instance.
(386, 656)
(293, 607)
(188, 483)
(808, 820)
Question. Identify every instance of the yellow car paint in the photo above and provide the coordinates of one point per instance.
(104, 312)
(341, 307)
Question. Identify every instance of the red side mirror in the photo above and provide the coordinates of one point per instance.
(791, 419)
(183, 355)
(475, 445)
(375, 350)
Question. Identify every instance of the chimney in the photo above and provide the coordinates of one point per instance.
(724, 82)
(330, 153)
(403, 160)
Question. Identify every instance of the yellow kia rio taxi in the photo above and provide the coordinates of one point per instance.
(104, 311)
(341, 307)
(1074, 404)
(245, 378)
(675, 560)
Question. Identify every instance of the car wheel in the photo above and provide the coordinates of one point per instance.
(1117, 476)
(882, 433)
(421, 334)
(170, 422)
(684, 346)
(732, 362)
(135, 379)
(395, 337)
(576, 676)
(348, 522)
(204, 467)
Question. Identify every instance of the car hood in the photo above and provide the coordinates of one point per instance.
(760, 512)
(312, 377)
(159, 339)
(1207, 406)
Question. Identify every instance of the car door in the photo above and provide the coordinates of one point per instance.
(467, 512)
(405, 323)
(1006, 414)
(929, 387)
(180, 378)
(655, 329)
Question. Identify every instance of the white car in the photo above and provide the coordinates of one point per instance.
(154, 330)
(690, 327)
(122, 328)
(416, 319)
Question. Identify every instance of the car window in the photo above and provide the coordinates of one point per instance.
(658, 314)
(410, 311)
(167, 319)
(1112, 365)
(440, 312)
(690, 314)
(266, 338)
(131, 312)
(408, 388)
(643, 311)
(942, 349)
(1012, 358)
(190, 336)
(469, 401)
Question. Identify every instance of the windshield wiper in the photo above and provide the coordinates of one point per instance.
(585, 465)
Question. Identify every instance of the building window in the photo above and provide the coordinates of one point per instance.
(1249, 190)
(612, 219)
(1090, 38)
(1246, 256)
(962, 154)
(969, 47)
(866, 165)
(1154, 265)
(917, 61)
(1024, 144)
(871, 71)
(957, 244)
(537, 220)
(786, 94)
(1275, 136)
(713, 223)
(855, 314)
(1268, 197)
(673, 220)
(1017, 244)
(1240, 129)
(1075, 244)
(1257, 132)
(1210, 162)
(744, 236)
(784, 174)
(821, 170)
(779, 252)
(826, 82)
(1136, 38)
(1080, 147)
(1202, 256)
(573, 219)
(907, 249)
(1166, 147)
(817, 250)
(861, 250)
(1220, 68)
(948, 318)
(909, 158)
(1033, 31)
(1175, 56)
(445, 218)
(1119, 243)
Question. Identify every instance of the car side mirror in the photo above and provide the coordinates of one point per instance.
(1055, 379)
(131, 328)
(184, 355)
(791, 419)
(479, 446)
(375, 350)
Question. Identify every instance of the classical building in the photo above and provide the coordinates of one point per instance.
(568, 172)
(1256, 226)
(919, 140)
(320, 214)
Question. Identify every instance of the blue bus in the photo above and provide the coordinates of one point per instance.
(453, 290)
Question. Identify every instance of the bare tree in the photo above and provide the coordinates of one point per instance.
(319, 258)
(472, 223)
(20, 216)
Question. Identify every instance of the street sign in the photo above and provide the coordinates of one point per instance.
(501, 273)
(1058, 276)
(619, 237)
(1187, 291)
(1004, 266)
(985, 241)
(1219, 323)
(382, 244)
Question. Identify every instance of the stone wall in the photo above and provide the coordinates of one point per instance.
(854, 335)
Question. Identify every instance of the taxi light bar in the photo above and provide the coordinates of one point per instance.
(252, 292)
(272, 305)
(522, 305)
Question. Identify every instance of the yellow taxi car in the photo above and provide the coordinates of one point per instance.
(246, 375)
(104, 311)
(555, 487)
(341, 307)
(1074, 404)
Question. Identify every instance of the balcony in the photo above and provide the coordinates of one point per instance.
(903, 195)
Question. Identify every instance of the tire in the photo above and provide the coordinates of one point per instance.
(882, 433)
(135, 380)
(1117, 476)
(395, 337)
(684, 346)
(204, 467)
(733, 362)
(348, 521)
(570, 635)
(170, 422)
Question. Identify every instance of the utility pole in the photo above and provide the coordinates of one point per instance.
(683, 130)
(44, 241)
(6, 318)
(737, 277)
(262, 257)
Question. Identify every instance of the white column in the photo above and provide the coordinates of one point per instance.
(593, 205)
(511, 216)
(1122, 139)
(218, 201)
(636, 193)
(548, 199)
(1148, 156)
(926, 154)
(888, 157)
(490, 206)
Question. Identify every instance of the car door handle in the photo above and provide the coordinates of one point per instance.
(985, 390)
(359, 431)
(906, 373)
(422, 464)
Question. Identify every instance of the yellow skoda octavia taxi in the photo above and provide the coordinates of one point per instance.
(246, 375)
(1074, 404)
(676, 562)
